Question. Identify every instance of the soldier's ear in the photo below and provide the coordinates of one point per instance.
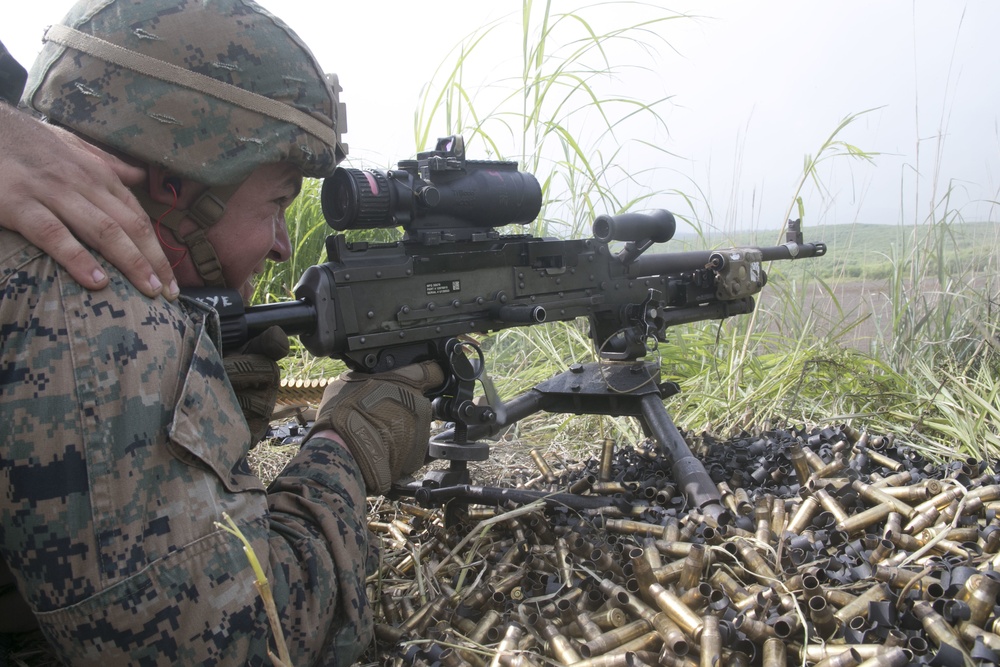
(168, 188)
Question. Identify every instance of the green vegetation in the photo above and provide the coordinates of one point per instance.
(894, 331)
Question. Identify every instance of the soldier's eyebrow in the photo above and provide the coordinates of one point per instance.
(293, 180)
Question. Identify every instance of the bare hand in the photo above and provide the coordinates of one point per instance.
(55, 185)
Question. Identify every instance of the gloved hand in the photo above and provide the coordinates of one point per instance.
(384, 419)
(253, 372)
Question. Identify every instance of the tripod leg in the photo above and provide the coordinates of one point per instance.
(689, 473)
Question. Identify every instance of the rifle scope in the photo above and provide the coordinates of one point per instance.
(438, 190)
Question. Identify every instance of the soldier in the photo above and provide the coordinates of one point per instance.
(123, 438)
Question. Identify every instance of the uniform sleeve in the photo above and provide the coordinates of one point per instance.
(123, 445)
(318, 515)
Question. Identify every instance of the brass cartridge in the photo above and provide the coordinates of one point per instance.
(883, 460)
(628, 527)
(694, 565)
(727, 497)
(609, 619)
(762, 519)
(859, 606)
(774, 653)
(980, 593)
(689, 622)
(858, 522)
(830, 504)
(757, 631)
(803, 515)
(895, 480)
(893, 525)
(543, 466)
(821, 614)
(668, 630)
(647, 642)
(730, 586)
(970, 632)
(984, 493)
(916, 493)
(878, 496)
(814, 460)
(799, 463)
(753, 561)
(778, 517)
(942, 499)
(710, 642)
(559, 646)
(697, 597)
(672, 549)
(838, 597)
(939, 630)
(607, 459)
(830, 469)
(419, 621)
(922, 520)
(743, 505)
(508, 644)
(849, 658)
(819, 652)
(786, 626)
(642, 568)
(893, 656)
(613, 639)
(898, 578)
(881, 551)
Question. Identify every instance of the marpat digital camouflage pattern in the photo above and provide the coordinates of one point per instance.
(194, 134)
(122, 444)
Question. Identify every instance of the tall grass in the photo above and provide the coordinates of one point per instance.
(926, 366)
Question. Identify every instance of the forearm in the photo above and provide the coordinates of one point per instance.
(319, 520)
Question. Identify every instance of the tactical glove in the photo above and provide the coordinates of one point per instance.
(255, 376)
(384, 419)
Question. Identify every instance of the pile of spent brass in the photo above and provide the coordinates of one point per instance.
(837, 548)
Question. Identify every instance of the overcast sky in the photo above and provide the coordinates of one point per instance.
(753, 88)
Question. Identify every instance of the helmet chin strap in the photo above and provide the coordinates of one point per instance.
(205, 211)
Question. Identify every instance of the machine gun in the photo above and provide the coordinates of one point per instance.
(378, 306)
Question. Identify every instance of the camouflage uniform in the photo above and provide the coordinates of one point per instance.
(123, 441)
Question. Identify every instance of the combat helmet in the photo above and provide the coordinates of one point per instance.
(209, 89)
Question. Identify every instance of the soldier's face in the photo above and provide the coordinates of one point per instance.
(253, 228)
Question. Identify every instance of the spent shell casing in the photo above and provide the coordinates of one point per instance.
(774, 653)
(970, 632)
(820, 652)
(980, 593)
(694, 565)
(689, 622)
(614, 638)
(559, 646)
(710, 642)
(512, 635)
(858, 608)
(938, 629)
(849, 658)
(821, 615)
(894, 656)
(803, 515)
(876, 495)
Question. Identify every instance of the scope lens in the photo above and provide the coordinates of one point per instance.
(357, 199)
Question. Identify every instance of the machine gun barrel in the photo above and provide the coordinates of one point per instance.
(678, 262)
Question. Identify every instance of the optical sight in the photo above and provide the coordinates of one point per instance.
(439, 197)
